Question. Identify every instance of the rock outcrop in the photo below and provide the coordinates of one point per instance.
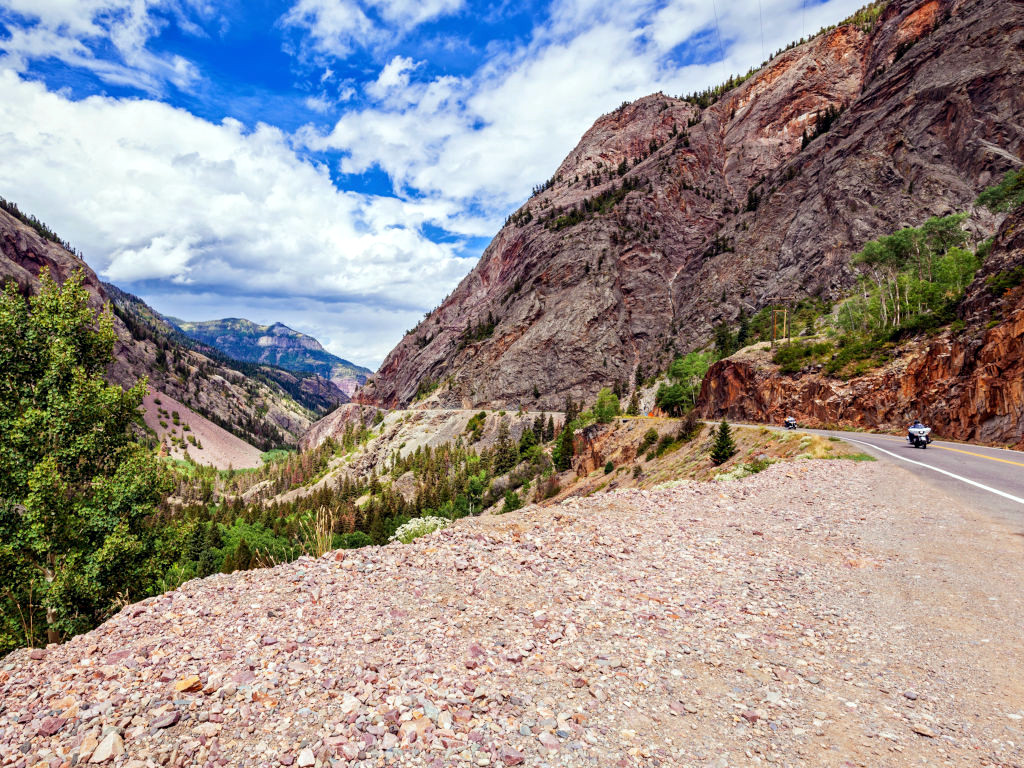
(668, 218)
(968, 384)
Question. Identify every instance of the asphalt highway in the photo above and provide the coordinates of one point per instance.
(989, 480)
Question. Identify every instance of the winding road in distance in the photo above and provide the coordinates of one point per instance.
(990, 480)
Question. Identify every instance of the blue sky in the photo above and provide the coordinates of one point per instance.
(336, 165)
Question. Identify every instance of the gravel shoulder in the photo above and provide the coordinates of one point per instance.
(800, 617)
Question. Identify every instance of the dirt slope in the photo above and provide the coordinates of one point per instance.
(806, 616)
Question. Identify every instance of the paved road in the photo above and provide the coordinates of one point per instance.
(990, 480)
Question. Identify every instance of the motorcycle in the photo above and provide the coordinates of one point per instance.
(918, 436)
(789, 423)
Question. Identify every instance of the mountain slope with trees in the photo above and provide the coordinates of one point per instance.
(677, 216)
(259, 404)
(276, 345)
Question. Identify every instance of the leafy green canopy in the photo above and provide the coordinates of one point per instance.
(75, 488)
(687, 374)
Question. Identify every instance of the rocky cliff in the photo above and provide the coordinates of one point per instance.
(253, 407)
(967, 383)
(670, 216)
(276, 345)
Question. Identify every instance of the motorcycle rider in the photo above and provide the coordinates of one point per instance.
(917, 423)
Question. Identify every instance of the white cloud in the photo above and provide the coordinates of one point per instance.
(486, 139)
(68, 30)
(150, 192)
(339, 27)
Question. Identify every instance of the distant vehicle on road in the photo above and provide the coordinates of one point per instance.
(789, 423)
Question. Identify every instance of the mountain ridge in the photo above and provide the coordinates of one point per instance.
(275, 344)
(253, 407)
(669, 218)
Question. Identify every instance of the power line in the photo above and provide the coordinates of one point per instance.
(760, 16)
(718, 33)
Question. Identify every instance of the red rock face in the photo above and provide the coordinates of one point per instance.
(932, 109)
(967, 385)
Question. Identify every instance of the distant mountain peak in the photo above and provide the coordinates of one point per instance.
(275, 344)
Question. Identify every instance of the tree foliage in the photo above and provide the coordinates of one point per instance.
(724, 447)
(75, 487)
(607, 406)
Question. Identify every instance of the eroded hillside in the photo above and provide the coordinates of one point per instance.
(670, 217)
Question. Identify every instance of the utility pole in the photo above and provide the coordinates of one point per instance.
(784, 312)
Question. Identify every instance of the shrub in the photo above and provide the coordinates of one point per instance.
(609, 468)
(1003, 282)
(353, 540)
(417, 527)
(690, 427)
(512, 501)
(650, 438)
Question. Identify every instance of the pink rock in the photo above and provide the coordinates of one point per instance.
(51, 725)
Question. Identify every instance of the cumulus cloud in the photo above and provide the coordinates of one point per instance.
(482, 141)
(106, 37)
(154, 195)
(339, 27)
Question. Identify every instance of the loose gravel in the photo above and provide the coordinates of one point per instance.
(806, 616)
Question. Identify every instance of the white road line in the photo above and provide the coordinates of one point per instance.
(996, 491)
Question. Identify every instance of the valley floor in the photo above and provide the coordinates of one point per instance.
(820, 613)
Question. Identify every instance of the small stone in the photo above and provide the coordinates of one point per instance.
(922, 730)
(510, 756)
(37, 654)
(286, 759)
(166, 720)
(112, 746)
(51, 725)
(306, 758)
(188, 684)
(549, 741)
(912, 695)
(751, 716)
(350, 704)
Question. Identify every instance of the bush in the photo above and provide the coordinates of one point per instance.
(650, 438)
(512, 501)
(417, 527)
(353, 540)
(1003, 282)
(609, 467)
(690, 427)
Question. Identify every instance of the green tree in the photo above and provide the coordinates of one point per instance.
(724, 447)
(75, 487)
(607, 406)
(634, 404)
(562, 453)
(512, 501)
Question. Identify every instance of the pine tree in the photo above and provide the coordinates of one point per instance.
(634, 405)
(549, 430)
(563, 452)
(724, 447)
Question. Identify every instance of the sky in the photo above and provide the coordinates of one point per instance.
(335, 165)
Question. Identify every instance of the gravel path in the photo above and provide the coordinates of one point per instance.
(797, 618)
